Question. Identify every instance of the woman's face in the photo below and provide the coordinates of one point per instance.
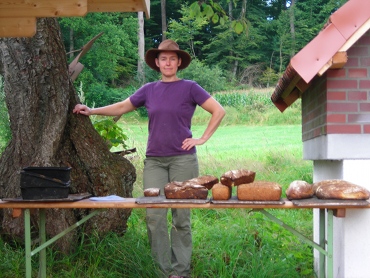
(168, 63)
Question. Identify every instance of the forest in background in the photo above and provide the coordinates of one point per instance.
(250, 49)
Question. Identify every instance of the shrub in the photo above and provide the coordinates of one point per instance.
(211, 79)
(102, 95)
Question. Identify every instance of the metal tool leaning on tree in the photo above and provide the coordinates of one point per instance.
(171, 149)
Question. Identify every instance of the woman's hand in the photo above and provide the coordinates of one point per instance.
(82, 109)
(189, 143)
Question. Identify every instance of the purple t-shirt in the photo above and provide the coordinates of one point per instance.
(170, 106)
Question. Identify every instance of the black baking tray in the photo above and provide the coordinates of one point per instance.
(45, 192)
(59, 173)
(70, 198)
(30, 179)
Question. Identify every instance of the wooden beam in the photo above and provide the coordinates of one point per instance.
(336, 62)
(340, 213)
(288, 90)
(339, 60)
(42, 8)
(17, 27)
(302, 85)
(119, 6)
(292, 97)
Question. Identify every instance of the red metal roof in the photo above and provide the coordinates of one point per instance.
(341, 32)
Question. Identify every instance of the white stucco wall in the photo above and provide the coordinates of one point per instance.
(352, 233)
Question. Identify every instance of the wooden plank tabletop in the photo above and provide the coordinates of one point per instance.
(205, 204)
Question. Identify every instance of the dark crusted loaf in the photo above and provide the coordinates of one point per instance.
(207, 180)
(237, 177)
(183, 190)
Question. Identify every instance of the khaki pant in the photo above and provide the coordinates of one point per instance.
(171, 251)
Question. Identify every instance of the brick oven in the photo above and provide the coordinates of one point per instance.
(331, 75)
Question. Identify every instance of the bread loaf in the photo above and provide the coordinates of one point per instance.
(181, 190)
(221, 192)
(340, 189)
(299, 189)
(259, 191)
(151, 192)
(237, 177)
(208, 181)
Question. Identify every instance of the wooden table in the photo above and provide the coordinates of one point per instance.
(79, 201)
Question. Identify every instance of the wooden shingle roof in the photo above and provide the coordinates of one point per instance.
(327, 50)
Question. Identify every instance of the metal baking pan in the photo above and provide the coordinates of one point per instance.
(315, 202)
(70, 198)
(163, 200)
(234, 201)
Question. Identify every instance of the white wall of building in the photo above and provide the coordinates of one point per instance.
(351, 233)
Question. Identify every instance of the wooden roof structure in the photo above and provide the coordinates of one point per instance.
(328, 50)
(18, 17)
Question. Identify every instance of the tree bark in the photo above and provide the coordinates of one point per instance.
(141, 49)
(40, 97)
(292, 27)
(163, 19)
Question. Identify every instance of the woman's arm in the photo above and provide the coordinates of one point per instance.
(116, 109)
(217, 112)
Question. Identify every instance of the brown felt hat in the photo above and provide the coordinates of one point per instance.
(167, 45)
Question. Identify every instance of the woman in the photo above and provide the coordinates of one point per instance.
(171, 153)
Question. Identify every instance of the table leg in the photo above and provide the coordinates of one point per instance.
(330, 242)
(27, 240)
(322, 243)
(42, 237)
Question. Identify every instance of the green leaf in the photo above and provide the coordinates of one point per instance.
(215, 18)
(194, 9)
(238, 28)
(208, 11)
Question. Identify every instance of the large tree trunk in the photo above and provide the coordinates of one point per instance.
(40, 98)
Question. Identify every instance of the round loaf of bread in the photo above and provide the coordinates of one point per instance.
(299, 189)
(221, 192)
(340, 189)
(151, 192)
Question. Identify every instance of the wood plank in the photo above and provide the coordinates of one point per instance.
(119, 6)
(16, 213)
(42, 8)
(288, 90)
(292, 97)
(17, 27)
(131, 203)
(339, 60)
(302, 85)
(340, 213)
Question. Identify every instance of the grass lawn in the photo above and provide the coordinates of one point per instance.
(226, 242)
